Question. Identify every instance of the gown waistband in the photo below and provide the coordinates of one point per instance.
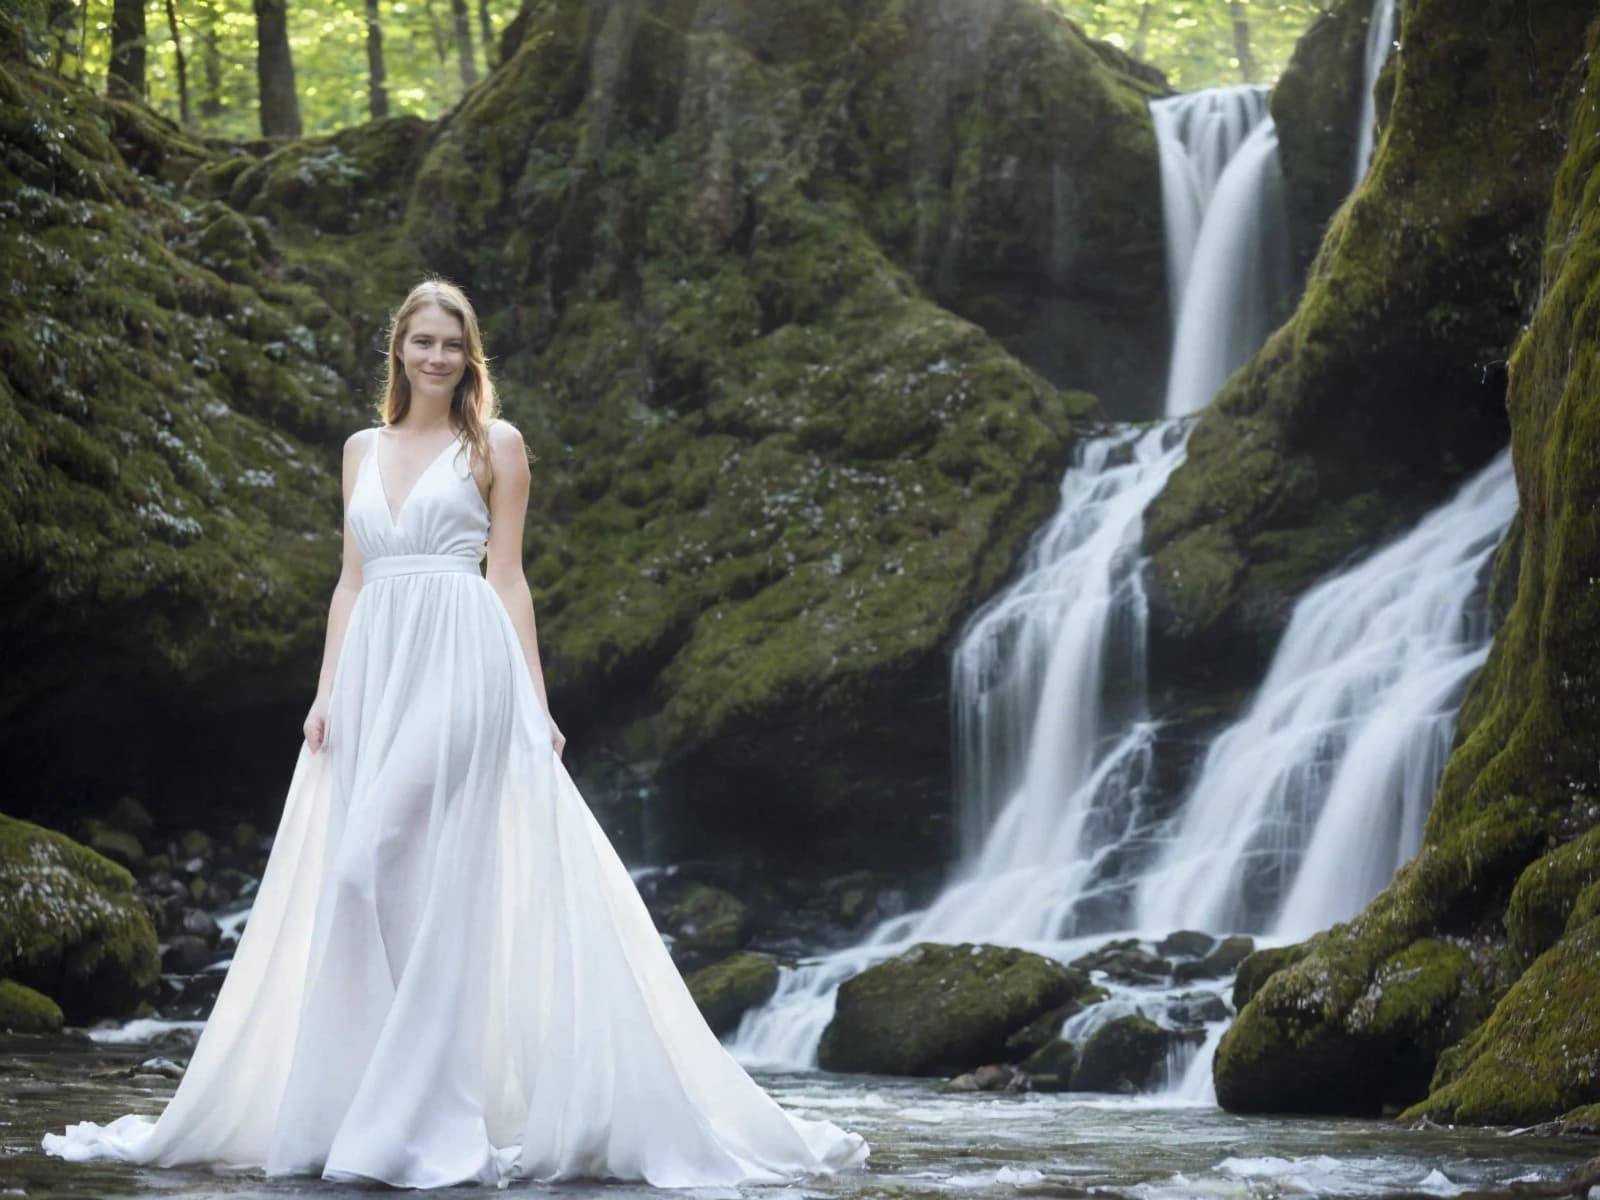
(390, 565)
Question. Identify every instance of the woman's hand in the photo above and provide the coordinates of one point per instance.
(316, 726)
(557, 738)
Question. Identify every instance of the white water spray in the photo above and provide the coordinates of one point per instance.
(1380, 44)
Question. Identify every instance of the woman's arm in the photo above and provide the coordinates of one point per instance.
(508, 506)
(344, 596)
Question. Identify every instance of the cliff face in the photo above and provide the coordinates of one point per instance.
(1387, 385)
(708, 240)
(1466, 990)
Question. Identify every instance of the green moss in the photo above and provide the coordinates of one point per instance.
(74, 928)
(939, 1010)
(725, 991)
(23, 1010)
(1538, 1056)
(1371, 388)
(1259, 967)
(1122, 1055)
(1548, 891)
(709, 917)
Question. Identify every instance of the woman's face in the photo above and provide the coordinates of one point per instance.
(433, 352)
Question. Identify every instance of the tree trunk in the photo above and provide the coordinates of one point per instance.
(125, 76)
(1241, 40)
(211, 65)
(469, 62)
(377, 77)
(184, 116)
(486, 28)
(1142, 36)
(280, 107)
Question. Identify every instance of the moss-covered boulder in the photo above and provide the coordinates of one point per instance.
(941, 1010)
(774, 474)
(1223, 959)
(726, 990)
(23, 1010)
(1259, 967)
(1506, 870)
(1050, 1067)
(71, 925)
(1124, 1055)
(709, 918)
(1316, 105)
(1386, 388)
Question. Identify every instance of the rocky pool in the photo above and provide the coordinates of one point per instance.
(926, 1142)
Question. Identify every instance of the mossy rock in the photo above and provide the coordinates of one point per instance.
(118, 845)
(1046, 1028)
(941, 1010)
(1124, 1055)
(708, 918)
(1506, 852)
(1382, 392)
(1538, 1056)
(1224, 959)
(1259, 967)
(1050, 1067)
(1284, 1054)
(75, 930)
(1316, 106)
(726, 990)
(23, 1010)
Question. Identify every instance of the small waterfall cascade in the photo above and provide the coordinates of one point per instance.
(1227, 235)
(1050, 781)
(1380, 44)
(1305, 808)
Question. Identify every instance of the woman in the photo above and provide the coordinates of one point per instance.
(448, 975)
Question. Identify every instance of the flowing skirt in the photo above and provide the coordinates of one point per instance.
(448, 975)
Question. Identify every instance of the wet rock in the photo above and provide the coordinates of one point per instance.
(1259, 967)
(1043, 1030)
(196, 844)
(725, 991)
(1126, 961)
(162, 1067)
(76, 930)
(861, 897)
(200, 990)
(1186, 943)
(708, 918)
(185, 954)
(23, 1010)
(1224, 960)
(1121, 1056)
(1197, 1008)
(201, 924)
(992, 1077)
(1050, 1068)
(942, 1010)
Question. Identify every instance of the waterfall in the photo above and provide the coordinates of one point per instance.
(1380, 43)
(1306, 807)
(1227, 235)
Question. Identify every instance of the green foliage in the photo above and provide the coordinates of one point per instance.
(218, 41)
(1193, 41)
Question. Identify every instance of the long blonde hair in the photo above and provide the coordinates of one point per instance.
(474, 404)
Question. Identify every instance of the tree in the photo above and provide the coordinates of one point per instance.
(182, 67)
(463, 21)
(377, 78)
(487, 27)
(125, 75)
(1241, 40)
(280, 106)
(211, 64)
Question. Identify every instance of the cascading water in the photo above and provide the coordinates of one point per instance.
(1227, 235)
(1380, 44)
(1054, 742)
(1306, 807)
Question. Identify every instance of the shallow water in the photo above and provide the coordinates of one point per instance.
(925, 1143)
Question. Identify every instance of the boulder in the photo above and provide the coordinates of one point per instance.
(941, 1010)
(1258, 968)
(725, 991)
(708, 918)
(1389, 1009)
(1224, 959)
(1126, 962)
(75, 929)
(1124, 1055)
(1050, 1068)
(23, 1010)
(1197, 1008)
(1185, 943)
(1046, 1028)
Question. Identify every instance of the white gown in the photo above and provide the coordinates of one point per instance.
(448, 975)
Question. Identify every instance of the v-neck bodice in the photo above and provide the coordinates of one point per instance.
(442, 513)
